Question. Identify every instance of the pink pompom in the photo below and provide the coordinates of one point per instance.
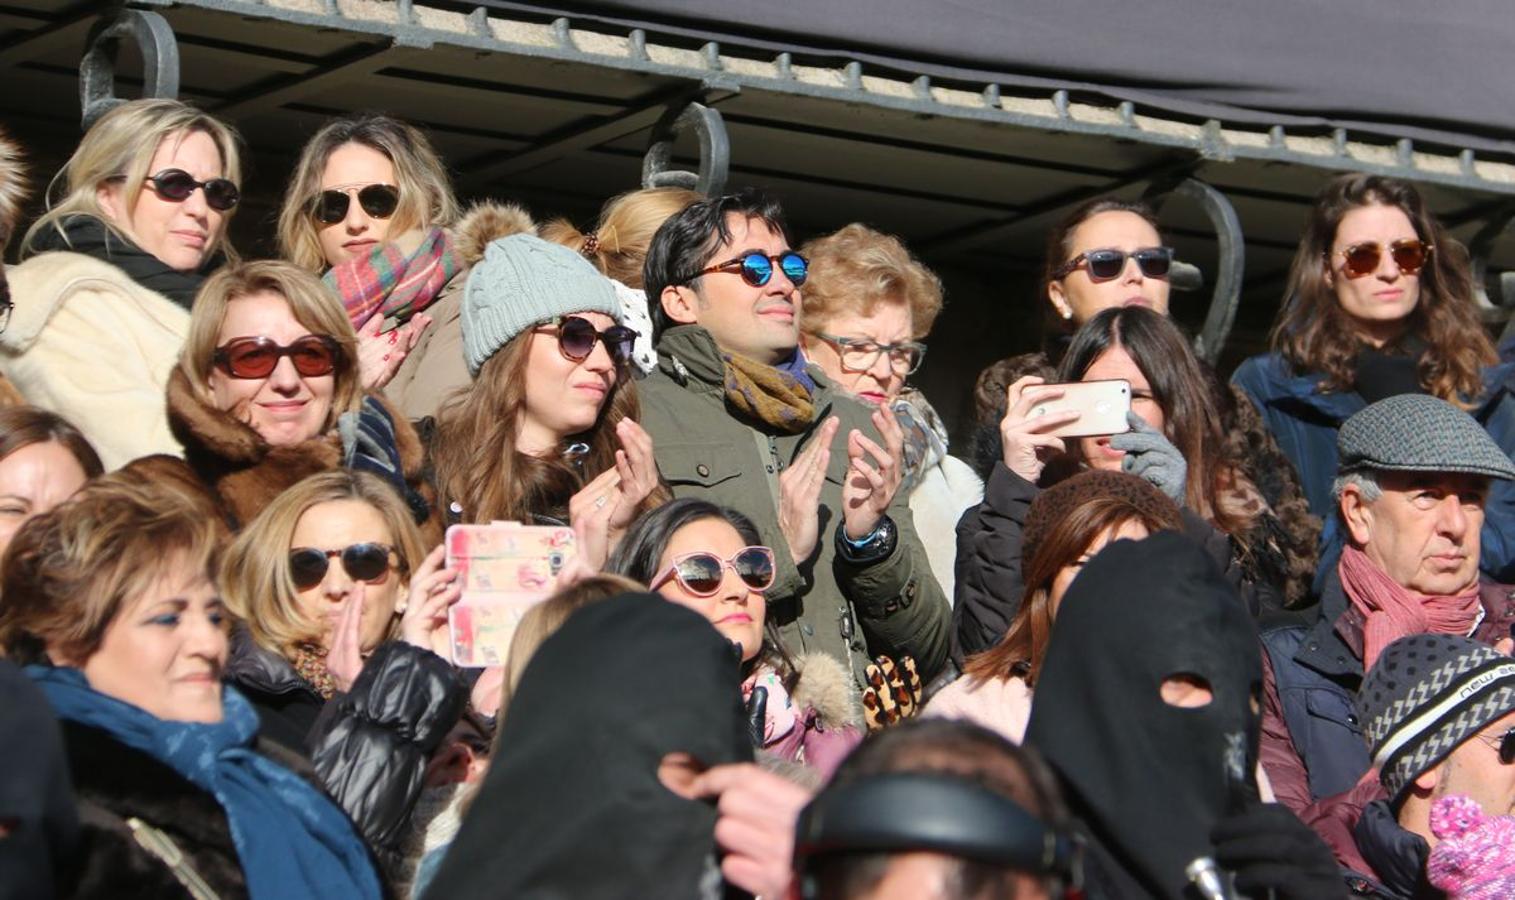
(1475, 859)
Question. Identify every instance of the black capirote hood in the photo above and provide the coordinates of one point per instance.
(572, 806)
(1147, 779)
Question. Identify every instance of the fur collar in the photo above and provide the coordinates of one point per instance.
(245, 472)
(825, 686)
(485, 222)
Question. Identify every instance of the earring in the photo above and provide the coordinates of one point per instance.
(1067, 314)
(402, 605)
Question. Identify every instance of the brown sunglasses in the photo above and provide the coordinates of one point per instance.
(1359, 260)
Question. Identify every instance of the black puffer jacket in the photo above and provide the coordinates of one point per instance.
(370, 746)
(989, 581)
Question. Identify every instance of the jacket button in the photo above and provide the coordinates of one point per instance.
(703, 469)
(1351, 718)
(807, 629)
(1314, 646)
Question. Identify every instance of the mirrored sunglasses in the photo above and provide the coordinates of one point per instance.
(1362, 259)
(757, 268)
(1104, 265)
(701, 573)
(378, 200)
(221, 194)
(367, 562)
(256, 357)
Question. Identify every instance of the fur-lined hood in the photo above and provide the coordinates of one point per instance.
(824, 686)
(488, 221)
(247, 473)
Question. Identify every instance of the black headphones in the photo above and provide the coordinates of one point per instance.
(903, 811)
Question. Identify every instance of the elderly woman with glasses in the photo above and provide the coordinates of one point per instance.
(712, 560)
(344, 615)
(867, 307)
(267, 392)
(1379, 302)
(112, 269)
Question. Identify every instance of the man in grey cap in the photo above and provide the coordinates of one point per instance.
(1412, 481)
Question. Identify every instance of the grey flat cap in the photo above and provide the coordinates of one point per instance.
(1419, 433)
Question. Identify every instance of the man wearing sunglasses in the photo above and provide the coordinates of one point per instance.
(1413, 480)
(740, 419)
(1439, 712)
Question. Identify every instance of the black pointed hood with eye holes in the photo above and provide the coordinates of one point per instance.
(1148, 780)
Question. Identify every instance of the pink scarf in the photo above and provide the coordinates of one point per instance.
(1393, 611)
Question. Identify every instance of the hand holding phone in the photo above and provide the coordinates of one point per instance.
(1101, 407)
(1039, 415)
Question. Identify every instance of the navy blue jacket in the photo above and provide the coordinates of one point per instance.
(1305, 421)
(1312, 672)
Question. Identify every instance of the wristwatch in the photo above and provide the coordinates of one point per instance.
(875, 545)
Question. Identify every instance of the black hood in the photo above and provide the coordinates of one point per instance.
(572, 806)
(1147, 779)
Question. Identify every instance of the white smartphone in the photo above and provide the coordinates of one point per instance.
(1101, 405)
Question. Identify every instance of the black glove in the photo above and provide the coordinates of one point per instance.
(757, 715)
(1269, 849)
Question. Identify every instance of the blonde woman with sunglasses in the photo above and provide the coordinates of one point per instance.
(371, 210)
(343, 609)
(136, 221)
(711, 559)
(1379, 302)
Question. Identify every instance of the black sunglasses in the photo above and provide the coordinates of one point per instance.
(1104, 265)
(1504, 743)
(367, 562)
(314, 355)
(378, 200)
(577, 337)
(221, 194)
(757, 268)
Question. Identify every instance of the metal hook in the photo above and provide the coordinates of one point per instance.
(715, 150)
(1230, 250)
(97, 70)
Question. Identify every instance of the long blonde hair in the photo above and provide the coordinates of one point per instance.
(426, 197)
(617, 246)
(310, 303)
(255, 581)
(121, 144)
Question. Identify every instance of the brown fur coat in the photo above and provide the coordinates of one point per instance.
(245, 473)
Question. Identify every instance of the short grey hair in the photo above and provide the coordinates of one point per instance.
(1366, 481)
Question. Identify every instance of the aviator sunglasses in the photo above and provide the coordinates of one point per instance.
(368, 562)
(757, 268)
(577, 337)
(177, 185)
(701, 573)
(1103, 265)
(378, 200)
(1359, 260)
(256, 357)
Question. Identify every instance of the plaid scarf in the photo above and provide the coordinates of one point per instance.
(396, 279)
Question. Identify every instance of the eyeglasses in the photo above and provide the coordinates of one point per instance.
(378, 200)
(757, 268)
(1358, 260)
(1504, 743)
(221, 194)
(577, 337)
(256, 357)
(1104, 265)
(861, 354)
(367, 562)
(701, 573)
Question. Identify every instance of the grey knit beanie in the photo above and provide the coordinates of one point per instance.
(521, 282)
(1427, 694)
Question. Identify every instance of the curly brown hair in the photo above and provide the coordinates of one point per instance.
(1313, 333)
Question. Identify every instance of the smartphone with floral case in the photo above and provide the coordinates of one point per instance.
(505, 568)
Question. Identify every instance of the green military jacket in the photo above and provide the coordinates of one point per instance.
(894, 606)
